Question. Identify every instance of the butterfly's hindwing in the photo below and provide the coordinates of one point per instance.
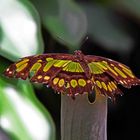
(106, 85)
(71, 84)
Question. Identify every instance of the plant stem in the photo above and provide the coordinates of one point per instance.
(81, 120)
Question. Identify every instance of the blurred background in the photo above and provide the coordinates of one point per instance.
(32, 111)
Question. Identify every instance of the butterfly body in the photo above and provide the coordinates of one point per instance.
(75, 74)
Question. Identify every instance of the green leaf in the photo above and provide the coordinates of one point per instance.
(21, 114)
(19, 29)
(65, 20)
(105, 30)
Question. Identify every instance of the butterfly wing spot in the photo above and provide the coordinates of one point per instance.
(49, 59)
(81, 82)
(88, 81)
(73, 67)
(104, 62)
(109, 68)
(61, 82)
(113, 84)
(99, 64)
(79, 68)
(46, 77)
(35, 67)
(21, 67)
(94, 68)
(49, 65)
(55, 81)
(99, 84)
(127, 71)
(39, 60)
(121, 82)
(10, 73)
(120, 72)
(104, 85)
(73, 83)
(109, 88)
(22, 73)
(21, 62)
(7, 70)
(39, 77)
(61, 63)
(66, 68)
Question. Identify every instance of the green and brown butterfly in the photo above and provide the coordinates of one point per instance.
(75, 74)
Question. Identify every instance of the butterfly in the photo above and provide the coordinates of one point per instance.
(75, 74)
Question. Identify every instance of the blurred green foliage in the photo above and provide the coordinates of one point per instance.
(20, 28)
(68, 22)
(21, 113)
(63, 19)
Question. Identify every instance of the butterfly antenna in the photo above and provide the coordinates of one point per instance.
(82, 43)
(84, 40)
(62, 41)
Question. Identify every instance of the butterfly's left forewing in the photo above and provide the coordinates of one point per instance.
(36, 67)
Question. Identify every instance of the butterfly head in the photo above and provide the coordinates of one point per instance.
(79, 55)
